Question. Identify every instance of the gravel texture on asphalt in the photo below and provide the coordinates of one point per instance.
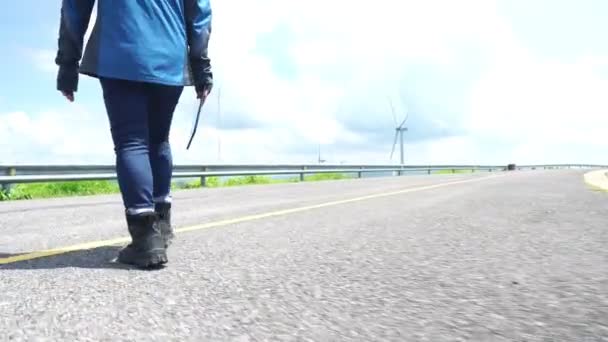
(522, 257)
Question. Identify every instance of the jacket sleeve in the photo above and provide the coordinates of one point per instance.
(74, 21)
(198, 29)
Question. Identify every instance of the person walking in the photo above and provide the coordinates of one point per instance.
(144, 52)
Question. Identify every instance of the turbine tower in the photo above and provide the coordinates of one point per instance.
(399, 129)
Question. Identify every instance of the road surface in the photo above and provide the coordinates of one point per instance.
(519, 256)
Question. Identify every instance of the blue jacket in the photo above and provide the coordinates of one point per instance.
(158, 41)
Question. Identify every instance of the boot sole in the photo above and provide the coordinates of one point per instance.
(150, 259)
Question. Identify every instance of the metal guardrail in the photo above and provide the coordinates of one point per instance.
(54, 173)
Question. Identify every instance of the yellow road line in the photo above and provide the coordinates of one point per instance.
(124, 240)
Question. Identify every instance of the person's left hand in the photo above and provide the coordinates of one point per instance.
(68, 95)
(67, 81)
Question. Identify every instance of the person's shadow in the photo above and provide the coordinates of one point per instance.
(97, 258)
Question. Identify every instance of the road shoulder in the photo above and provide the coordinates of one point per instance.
(597, 179)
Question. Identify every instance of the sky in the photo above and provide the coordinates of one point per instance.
(481, 82)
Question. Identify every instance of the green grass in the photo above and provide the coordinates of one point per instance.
(59, 189)
(327, 176)
(446, 172)
(247, 180)
(83, 188)
(215, 182)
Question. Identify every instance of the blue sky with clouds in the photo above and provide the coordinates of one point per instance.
(483, 81)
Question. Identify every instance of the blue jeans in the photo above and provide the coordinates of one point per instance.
(140, 117)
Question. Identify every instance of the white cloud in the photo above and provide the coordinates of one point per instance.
(365, 46)
(535, 104)
(52, 137)
(42, 59)
(464, 70)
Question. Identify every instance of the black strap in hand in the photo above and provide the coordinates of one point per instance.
(195, 125)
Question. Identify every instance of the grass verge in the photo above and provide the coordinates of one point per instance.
(449, 172)
(85, 188)
(59, 189)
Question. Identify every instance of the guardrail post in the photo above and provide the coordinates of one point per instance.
(302, 174)
(11, 171)
(204, 179)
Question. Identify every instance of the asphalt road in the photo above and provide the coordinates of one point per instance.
(520, 257)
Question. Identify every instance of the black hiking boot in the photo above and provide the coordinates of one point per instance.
(147, 249)
(163, 210)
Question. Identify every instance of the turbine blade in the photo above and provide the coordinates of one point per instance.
(407, 114)
(393, 111)
(394, 144)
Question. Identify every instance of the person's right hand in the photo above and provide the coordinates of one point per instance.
(202, 77)
(67, 81)
(202, 94)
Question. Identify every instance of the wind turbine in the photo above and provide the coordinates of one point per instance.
(320, 159)
(399, 129)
